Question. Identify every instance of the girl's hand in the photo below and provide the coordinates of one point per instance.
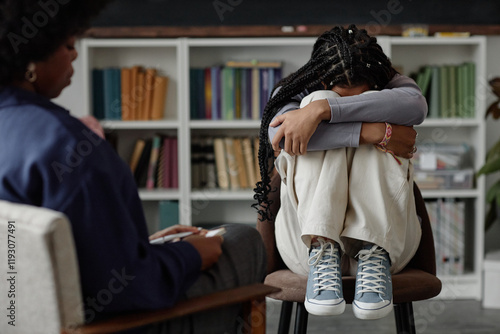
(177, 229)
(402, 141)
(297, 126)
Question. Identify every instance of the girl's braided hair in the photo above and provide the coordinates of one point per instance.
(340, 56)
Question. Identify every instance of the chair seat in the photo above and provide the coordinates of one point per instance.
(408, 285)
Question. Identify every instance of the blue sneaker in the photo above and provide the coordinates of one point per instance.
(324, 294)
(373, 296)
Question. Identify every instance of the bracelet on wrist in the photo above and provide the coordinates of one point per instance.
(387, 136)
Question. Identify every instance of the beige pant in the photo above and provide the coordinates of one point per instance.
(349, 195)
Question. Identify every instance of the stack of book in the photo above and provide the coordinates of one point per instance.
(128, 94)
(449, 89)
(238, 90)
(448, 229)
(228, 163)
(154, 162)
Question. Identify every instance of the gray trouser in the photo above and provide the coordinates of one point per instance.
(243, 262)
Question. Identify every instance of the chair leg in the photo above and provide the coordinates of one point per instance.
(405, 322)
(285, 317)
(301, 319)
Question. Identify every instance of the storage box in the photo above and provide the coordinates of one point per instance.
(445, 179)
(491, 293)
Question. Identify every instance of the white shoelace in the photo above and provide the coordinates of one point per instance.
(327, 269)
(372, 261)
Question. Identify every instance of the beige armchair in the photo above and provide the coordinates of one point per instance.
(43, 293)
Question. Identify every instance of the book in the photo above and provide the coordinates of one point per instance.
(240, 163)
(112, 93)
(159, 97)
(139, 95)
(434, 97)
(165, 165)
(211, 173)
(136, 154)
(208, 92)
(228, 97)
(98, 93)
(221, 163)
(126, 84)
(141, 171)
(148, 94)
(134, 91)
(153, 162)
(232, 165)
(248, 155)
(197, 163)
(174, 163)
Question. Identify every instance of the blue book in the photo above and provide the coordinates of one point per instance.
(215, 85)
(98, 93)
(193, 93)
(112, 94)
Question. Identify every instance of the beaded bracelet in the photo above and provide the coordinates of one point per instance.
(387, 135)
(383, 144)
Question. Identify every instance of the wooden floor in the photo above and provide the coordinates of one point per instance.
(431, 317)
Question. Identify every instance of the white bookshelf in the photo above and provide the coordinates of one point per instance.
(174, 57)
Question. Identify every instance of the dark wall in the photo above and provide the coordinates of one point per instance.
(297, 12)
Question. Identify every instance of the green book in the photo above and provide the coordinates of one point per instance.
(452, 90)
(434, 97)
(228, 96)
(444, 104)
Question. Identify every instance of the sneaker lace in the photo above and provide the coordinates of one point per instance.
(372, 276)
(325, 260)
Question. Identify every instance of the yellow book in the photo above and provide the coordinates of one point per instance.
(249, 161)
(149, 82)
(232, 165)
(159, 97)
(220, 164)
(240, 162)
(126, 77)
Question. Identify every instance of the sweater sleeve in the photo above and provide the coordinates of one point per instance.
(400, 102)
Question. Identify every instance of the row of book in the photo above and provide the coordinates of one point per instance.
(227, 163)
(238, 90)
(128, 94)
(449, 89)
(447, 218)
(154, 162)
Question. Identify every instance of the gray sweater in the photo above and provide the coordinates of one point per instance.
(400, 102)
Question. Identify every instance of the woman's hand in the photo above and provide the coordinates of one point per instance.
(210, 249)
(177, 229)
(297, 126)
(93, 124)
(402, 141)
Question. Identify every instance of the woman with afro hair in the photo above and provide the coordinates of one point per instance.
(344, 126)
(51, 159)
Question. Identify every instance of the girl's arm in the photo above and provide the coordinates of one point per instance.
(401, 102)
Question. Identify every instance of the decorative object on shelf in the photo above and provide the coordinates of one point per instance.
(492, 163)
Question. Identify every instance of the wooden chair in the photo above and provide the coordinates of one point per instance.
(44, 286)
(417, 281)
